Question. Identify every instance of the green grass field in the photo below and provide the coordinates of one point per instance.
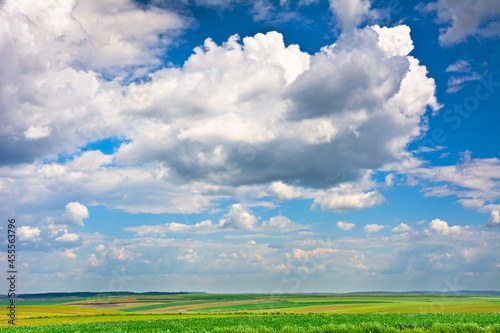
(289, 323)
(258, 313)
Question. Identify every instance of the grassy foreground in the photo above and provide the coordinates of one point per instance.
(430, 322)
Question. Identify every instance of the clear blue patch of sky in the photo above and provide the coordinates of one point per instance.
(107, 146)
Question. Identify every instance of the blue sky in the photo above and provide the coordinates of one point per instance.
(251, 146)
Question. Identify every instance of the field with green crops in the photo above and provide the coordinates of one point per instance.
(291, 323)
(258, 313)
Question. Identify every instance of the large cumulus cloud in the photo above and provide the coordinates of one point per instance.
(236, 118)
(263, 112)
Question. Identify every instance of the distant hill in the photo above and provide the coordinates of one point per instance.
(157, 293)
(94, 294)
(449, 293)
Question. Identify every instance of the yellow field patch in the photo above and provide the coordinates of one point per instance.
(23, 311)
(71, 319)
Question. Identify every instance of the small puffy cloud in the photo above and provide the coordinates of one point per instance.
(278, 222)
(190, 256)
(37, 132)
(284, 191)
(350, 12)
(369, 228)
(74, 214)
(100, 248)
(402, 227)
(440, 227)
(238, 218)
(118, 253)
(89, 161)
(336, 201)
(93, 260)
(68, 253)
(68, 237)
(389, 180)
(30, 234)
(494, 219)
(464, 19)
(318, 252)
(345, 225)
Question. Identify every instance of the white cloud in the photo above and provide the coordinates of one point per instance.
(278, 222)
(345, 225)
(389, 180)
(116, 253)
(100, 248)
(460, 66)
(441, 227)
(37, 132)
(238, 217)
(68, 237)
(337, 201)
(262, 10)
(457, 83)
(402, 227)
(54, 98)
(93, 260)
(27, 233)
(74, 214)
(90, 161)
(189, 257)
(302, 2)
(464, 19)
(121, 254)
(68, 253)
(284, 191)
(121, 34)
(394, 41)
(369, 228)
(475, 181)
(350, 12)
(174, 227)
(318, 252)
(253, 137)
(494, 219)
